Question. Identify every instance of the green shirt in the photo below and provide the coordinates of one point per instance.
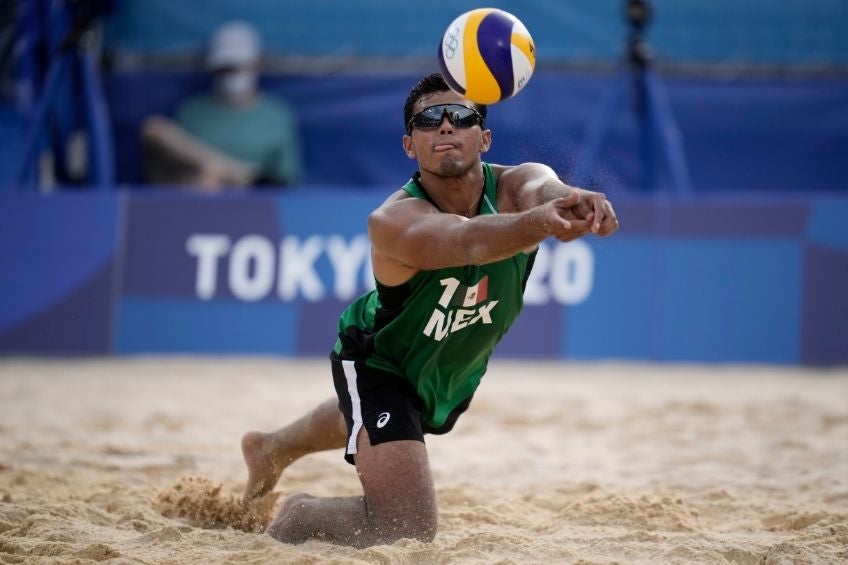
(263, 134)
(439, 329)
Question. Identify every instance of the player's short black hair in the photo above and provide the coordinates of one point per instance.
(431, 83)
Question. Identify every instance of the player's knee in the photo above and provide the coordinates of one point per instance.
(428, 528)
(420, 524)
(425, 519)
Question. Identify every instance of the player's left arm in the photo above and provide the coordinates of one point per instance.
(532, 184)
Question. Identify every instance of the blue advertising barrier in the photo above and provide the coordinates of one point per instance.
(58, 270)
(716, 280)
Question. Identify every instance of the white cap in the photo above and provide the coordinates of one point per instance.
(234, 44)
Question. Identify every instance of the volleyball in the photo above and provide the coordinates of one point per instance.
(487, 55)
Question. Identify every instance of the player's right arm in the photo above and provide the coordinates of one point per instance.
(410, 235)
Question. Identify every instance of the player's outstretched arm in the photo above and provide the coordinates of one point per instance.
(410, 235)
(532, 184)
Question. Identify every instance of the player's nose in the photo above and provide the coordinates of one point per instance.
(446, 126)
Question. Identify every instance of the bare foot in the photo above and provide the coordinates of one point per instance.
(287, 526)
(262, 471)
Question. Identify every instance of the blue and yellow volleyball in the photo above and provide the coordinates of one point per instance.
(487, 55)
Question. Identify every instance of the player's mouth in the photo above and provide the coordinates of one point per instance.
(442, 147)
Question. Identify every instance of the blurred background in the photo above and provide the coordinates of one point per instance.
(140, 213)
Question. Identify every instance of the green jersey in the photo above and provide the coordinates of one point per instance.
(438, 329)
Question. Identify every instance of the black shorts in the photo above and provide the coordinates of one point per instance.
(385, 404)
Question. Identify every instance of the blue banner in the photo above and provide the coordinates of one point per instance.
(352, 126)
(718, 280)
(58, 270)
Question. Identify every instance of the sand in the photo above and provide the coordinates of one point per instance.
(137, 461)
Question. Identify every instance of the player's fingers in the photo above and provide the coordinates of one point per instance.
(584, 225)
(557, 224)
(571, 235)
(568, 206)
(585, 208)
(575, 229)
(610, 223)
(570, 200)
(598, 206)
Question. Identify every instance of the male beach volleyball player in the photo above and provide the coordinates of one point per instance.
(451, 253)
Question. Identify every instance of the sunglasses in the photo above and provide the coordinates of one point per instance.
(458, 115)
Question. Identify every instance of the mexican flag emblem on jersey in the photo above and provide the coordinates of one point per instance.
(468, 296)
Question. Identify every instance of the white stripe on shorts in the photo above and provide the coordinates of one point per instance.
(356, 406)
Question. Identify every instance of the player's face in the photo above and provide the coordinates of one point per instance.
(447, 150)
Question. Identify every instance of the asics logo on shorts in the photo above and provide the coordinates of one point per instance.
(383, 419)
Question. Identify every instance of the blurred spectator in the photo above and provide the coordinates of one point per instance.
(234, 136)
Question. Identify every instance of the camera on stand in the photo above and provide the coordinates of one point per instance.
(638, 13)
(659, 135)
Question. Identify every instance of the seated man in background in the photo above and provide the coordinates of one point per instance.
(232, 137)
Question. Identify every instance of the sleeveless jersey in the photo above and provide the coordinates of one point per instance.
(438, 329)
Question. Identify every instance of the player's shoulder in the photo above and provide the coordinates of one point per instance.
(516, 182)
(396, 214)
(402, 200)
(400, 206)
(505, 176)
(498, 170)
(521, 168)
(518, 176)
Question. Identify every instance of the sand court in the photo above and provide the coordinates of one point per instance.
(136, 460)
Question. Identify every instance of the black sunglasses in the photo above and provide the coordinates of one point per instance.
(458, 115)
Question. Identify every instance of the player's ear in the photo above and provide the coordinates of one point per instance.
(408, 147)
(487, 140)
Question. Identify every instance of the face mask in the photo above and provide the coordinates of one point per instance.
(236, 85)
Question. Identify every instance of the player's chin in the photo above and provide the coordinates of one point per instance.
(451, 165)
(447, 167)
